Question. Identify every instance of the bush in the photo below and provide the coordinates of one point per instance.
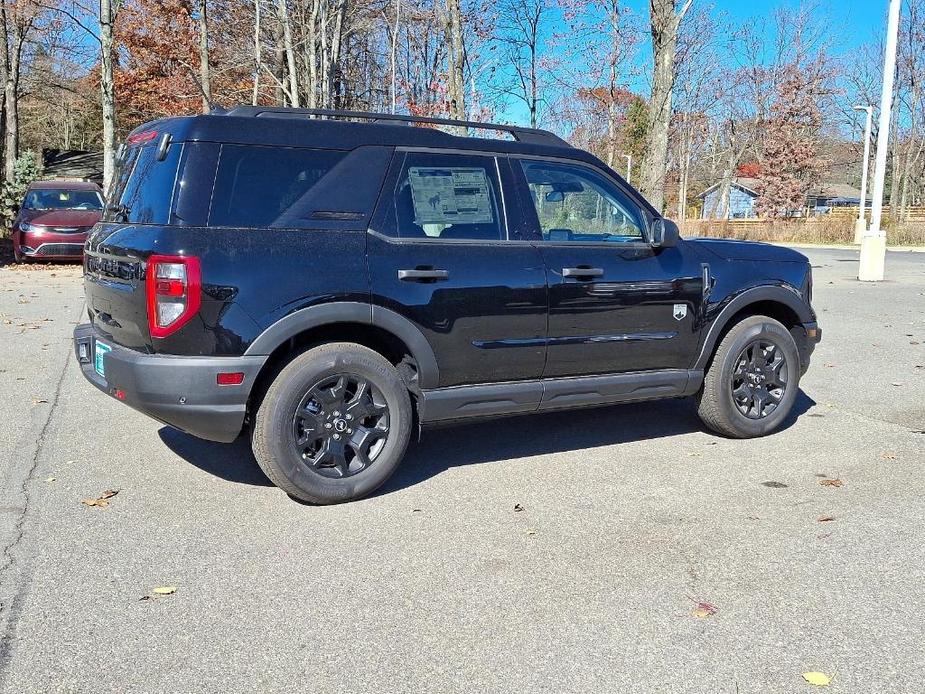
(28, 168)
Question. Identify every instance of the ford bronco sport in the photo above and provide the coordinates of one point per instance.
(330, 285)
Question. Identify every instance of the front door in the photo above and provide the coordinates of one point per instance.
(615, 303)
(440, 255)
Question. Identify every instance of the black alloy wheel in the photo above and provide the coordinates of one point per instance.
(341, 425)
(759, 380)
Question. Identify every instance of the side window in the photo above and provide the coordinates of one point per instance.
(144, 188)
(256, 186)
(574, 203)
(446, 196)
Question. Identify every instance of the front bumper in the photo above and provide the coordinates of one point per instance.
(807, 336)
(50, 245)
(176, 390)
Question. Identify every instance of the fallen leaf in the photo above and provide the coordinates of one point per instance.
(50, 479)
(37, 401)
(829, 366)
(518, 508)
(897, 383)
(774, 485)
(109, 493)
(531, 532)
(704, 609)
(889, 456)
(102, 503)
(165, 590)
(823, 536)
(831, 482)
(819, 679)
(825, 519)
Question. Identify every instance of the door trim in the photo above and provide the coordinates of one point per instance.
(513, 397)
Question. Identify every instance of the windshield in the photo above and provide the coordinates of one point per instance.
(50, 199)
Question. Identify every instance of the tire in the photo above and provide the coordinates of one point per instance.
(323, 437)
(746, 362)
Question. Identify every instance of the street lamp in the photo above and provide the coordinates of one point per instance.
(629, 166)
(860, 225)
(873, 241)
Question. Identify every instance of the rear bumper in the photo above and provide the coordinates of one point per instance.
(175, 390)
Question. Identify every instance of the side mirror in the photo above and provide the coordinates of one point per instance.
(664, 233)
(555, 196)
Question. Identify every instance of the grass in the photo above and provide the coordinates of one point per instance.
(821, 230)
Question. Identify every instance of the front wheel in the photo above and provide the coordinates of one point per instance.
(334, 424)
(753, 381)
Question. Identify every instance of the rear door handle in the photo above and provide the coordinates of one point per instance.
(423, 275)
(582, 272)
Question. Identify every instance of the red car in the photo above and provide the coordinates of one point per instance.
(54, 220)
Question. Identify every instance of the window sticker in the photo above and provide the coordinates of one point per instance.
(450, 195)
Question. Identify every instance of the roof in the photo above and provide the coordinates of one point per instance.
(836, 190)
(744, 183)
(61, 184)
(289, 127)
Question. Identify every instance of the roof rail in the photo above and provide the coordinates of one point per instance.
(527, 135)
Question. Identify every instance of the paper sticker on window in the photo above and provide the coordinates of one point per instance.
(450, 195)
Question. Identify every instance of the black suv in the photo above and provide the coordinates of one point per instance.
(332, 284)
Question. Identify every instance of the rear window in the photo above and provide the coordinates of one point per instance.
(144, 186)
(256, 186)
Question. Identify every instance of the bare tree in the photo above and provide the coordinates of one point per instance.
(109, 11)
(286, 29)
(665, 20)
(520, 24)
(205, 77)
(456, 58)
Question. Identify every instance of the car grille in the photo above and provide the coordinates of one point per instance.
(59, 249)
(69, 230)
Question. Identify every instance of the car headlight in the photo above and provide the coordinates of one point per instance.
(25, 226)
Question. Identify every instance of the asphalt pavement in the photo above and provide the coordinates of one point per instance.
(648, 555)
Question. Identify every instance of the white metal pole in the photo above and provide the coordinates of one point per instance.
(629, 166)
(861, 224)
(873, 242)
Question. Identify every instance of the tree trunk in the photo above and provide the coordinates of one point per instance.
(257, 50)
(283, 12)
(456, 58)
(665, 22)
(109, 10)
(13, 63)
(205, 76)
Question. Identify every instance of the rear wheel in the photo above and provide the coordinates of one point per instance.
(753, 381)
(334, 424)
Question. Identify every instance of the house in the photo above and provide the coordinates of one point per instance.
(743, 195)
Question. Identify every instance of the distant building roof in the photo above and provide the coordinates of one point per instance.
(72, 163)
(749, 185)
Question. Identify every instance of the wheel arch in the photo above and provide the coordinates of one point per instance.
(781, 303)
(377, 328)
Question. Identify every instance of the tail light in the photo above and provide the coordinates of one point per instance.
(173, 284)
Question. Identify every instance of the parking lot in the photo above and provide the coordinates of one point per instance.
(623, 549)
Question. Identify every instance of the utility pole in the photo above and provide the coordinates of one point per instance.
(861, 224)
(629, 166)
(873, 242)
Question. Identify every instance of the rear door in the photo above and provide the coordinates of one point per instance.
(444, 253)
(615, 303)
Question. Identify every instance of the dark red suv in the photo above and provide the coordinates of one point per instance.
(54, 220)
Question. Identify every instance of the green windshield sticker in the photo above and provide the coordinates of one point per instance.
(450, 195)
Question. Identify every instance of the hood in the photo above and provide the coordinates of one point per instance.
(61, 218)
(730, 249)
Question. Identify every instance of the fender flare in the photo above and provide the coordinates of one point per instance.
(304, 319)
(782, 294)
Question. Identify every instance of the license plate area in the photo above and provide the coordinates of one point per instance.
(99, 351)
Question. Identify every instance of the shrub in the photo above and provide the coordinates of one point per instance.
(28, 168)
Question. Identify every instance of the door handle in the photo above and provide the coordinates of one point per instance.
(423, 275)
(582, 272)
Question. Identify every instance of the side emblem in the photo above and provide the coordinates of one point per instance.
(680, 310)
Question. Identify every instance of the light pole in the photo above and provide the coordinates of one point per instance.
(861, 224)
(873, 241)
(629, 166)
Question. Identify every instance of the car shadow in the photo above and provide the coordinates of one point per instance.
(490, 441)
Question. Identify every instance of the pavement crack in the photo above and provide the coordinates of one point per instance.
(9, 609)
